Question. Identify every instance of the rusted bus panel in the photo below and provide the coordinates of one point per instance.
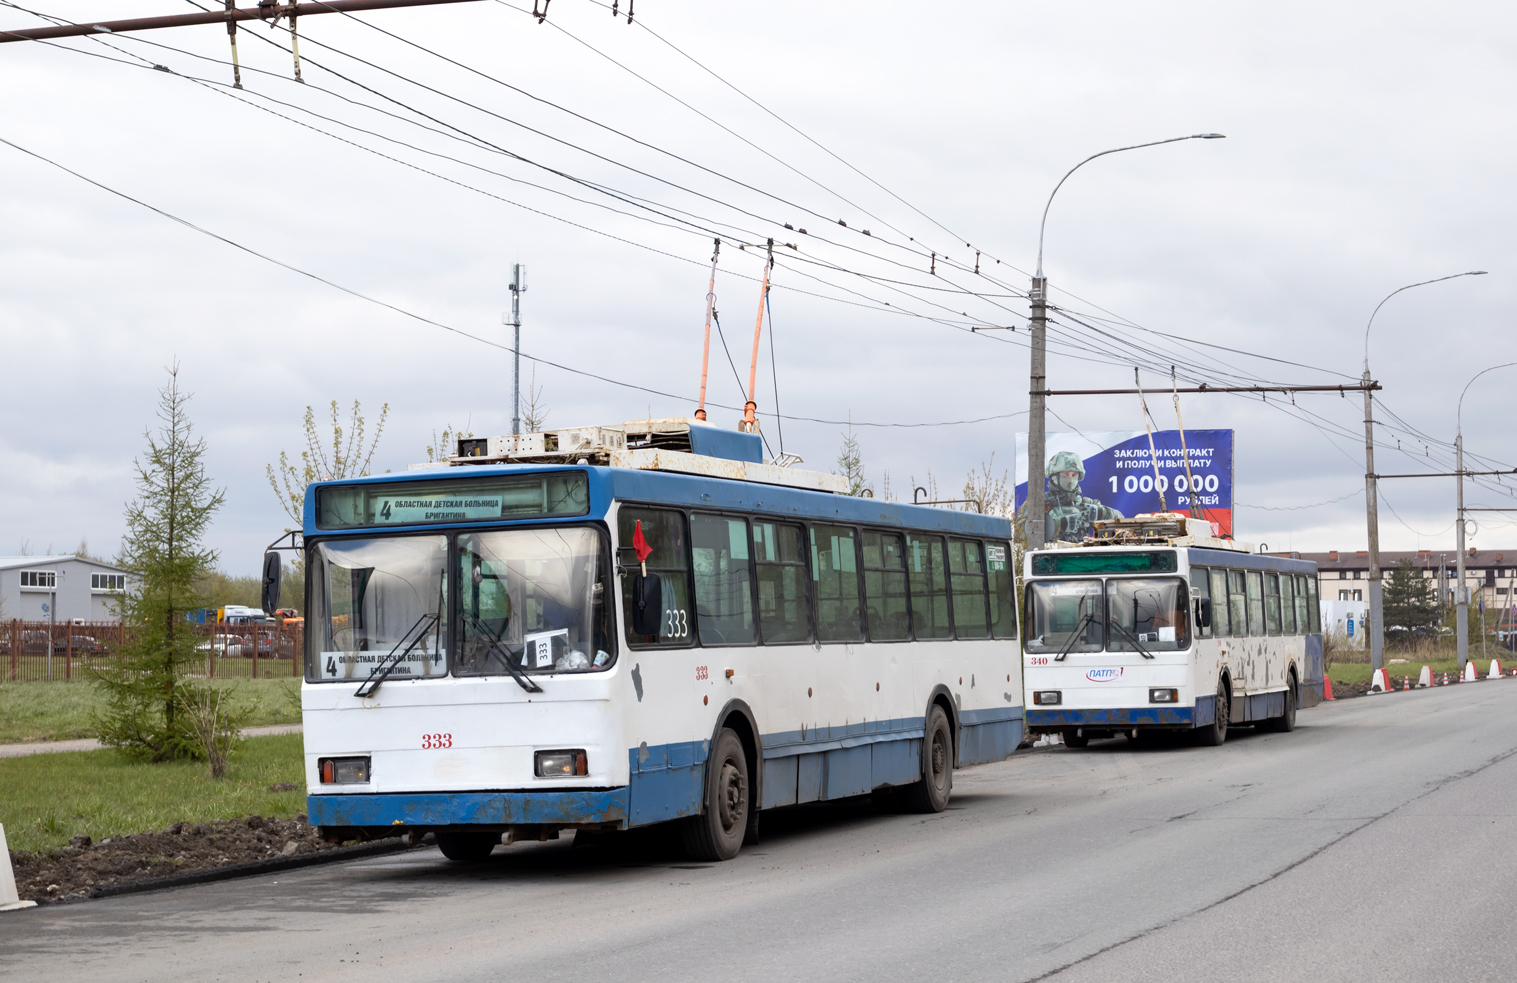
(470, 808)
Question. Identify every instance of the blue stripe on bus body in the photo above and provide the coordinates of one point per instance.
(469, 808)
(1160, 716)
(666, 781)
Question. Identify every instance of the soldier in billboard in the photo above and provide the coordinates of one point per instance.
(1070, 513)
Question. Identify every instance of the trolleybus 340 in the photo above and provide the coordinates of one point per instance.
(1147, 627)
(613, 627)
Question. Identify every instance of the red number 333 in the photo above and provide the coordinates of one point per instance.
(436, 741)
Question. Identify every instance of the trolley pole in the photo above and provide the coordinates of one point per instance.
(1038, 390)
(518, 286)
(1461, 593)
(1372, 506)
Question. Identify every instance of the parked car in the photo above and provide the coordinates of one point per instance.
(83, 645)
(228, 646)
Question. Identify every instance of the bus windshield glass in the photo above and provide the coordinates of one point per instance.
(374, 597)
(1148, 615)
(536, 597)
(1065, 615)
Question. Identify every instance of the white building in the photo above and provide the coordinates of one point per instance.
(60, 588)
(1347, 618)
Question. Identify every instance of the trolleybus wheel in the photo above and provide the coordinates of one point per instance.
(466, 848)
(1075, 739)
(718, 833)
(1214, 734)
(932, 792)
(1286, 722)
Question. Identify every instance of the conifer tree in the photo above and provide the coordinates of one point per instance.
(1409, 603)
(164, 546)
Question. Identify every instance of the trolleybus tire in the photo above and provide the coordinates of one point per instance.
(1286, 722)
(1215, 733)
(466, 848)
(931, 793)
(1075, 739)
(717, 834)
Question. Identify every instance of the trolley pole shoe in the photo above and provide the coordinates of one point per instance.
(1380, 682)
(1495, 672)
(1425, 678)
(9, 899)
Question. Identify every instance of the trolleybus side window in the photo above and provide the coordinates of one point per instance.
(1148, 614)
(835, 569)
(723, 580)
(1303, 624)
(1288, 604)
(887, 607)
(1255, 602)
(1312, 610)
(1201, 587)
(929, 587)
(534, 599)
(1272, 602)
(1237, 603)
(664, 532)
(966, 572)
(1219, 619)
(784, 596)
(1003, 607)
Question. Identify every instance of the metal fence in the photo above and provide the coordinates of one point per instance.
(36, 651)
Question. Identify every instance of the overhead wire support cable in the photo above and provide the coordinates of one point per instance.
(230, 16)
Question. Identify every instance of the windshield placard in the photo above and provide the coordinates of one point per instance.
(411, 509)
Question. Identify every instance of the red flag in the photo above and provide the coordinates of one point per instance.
(640, 544)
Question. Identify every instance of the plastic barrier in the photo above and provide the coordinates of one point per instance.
(1495, 672)
(1426, 677)
(1469, 672)
(1380, 682)
(1327, 687)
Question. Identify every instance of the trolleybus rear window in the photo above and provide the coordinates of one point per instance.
(408, 503)
(1073, 562)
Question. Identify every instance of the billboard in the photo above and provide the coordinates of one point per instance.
(1105, 475)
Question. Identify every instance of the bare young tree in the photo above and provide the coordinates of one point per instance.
(348, 457)
(445, 444)
(535, 419)
(995, 495)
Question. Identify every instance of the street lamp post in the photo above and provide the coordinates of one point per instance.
(1038, 381)
(1461, 593)
(1371, 494)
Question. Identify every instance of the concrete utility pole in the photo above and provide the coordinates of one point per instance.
(518, 287)
(1038, 377)
(1371, 494)
(1461, 593)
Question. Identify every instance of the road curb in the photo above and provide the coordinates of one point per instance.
(273, 865)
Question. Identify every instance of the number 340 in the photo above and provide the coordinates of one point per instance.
(431, 742)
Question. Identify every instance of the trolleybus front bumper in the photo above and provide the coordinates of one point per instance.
(1121, 718)
(559, 808)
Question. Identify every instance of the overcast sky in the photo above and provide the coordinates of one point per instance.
(1368, 146)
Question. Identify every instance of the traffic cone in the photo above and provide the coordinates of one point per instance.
(1495, 672)
(1470, 675)
(1445, 680)
(1327, 686)
(1425, 678)
(1406, 683)
(9, 899)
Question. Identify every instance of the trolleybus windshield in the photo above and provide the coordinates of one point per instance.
(1066, 616)
(1153, 612)
(372, 597)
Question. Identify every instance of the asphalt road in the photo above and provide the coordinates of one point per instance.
(1376, 842)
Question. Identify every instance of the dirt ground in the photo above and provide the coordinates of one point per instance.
(74, 871)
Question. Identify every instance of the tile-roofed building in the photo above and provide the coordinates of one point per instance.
(1492, 574)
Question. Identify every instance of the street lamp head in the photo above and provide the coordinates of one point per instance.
(1210, 136)
(1475, 273)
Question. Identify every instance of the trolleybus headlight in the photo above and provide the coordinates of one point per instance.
(1047, 697)
(561, 764)
(344, 771)
(1164, 696)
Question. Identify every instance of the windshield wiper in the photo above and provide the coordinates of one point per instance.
(1136, 644)
(397, 654)
(497, 648)
(1069, 643)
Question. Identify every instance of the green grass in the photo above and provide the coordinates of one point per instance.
(50, 797)
(1359, 672)
(61, 711)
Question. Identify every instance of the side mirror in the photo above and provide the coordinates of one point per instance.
(647, 604)
(271, 578)
(1203, 612)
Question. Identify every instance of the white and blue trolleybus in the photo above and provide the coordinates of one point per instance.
(1147, 627)
(612, 627)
